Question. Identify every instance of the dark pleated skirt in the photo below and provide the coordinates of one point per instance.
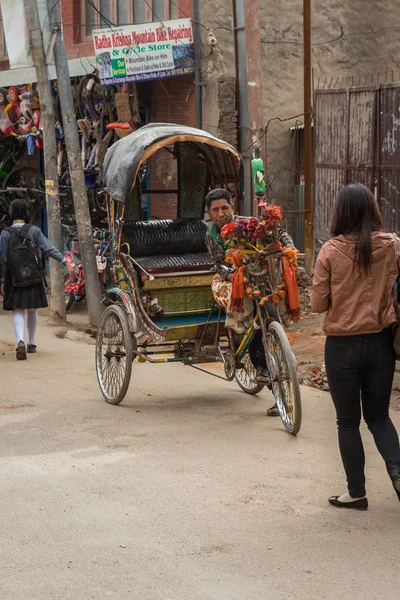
(32, 296)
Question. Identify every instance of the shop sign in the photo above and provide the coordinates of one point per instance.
(144, 52)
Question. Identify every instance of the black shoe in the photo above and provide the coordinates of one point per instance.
(395, 477)
(21, 351)
(361, 504)
(31, 349)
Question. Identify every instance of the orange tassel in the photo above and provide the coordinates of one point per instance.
(237, 297)
(292, 297)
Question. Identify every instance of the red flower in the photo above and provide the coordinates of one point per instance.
(272, 216)
(227, 232)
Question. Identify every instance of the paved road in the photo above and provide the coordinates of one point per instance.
(185, 492)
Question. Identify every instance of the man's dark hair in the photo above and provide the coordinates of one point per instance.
(18, 210)
(218, 194)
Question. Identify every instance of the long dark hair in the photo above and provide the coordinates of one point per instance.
(356, 211)
(18, 211)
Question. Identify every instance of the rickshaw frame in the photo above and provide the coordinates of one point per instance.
(132, 332)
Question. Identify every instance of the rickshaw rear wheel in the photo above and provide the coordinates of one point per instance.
(246, 377)
(283, 370)
(114, 354)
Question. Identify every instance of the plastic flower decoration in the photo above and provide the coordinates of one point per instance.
(272, 216)
(252, 231)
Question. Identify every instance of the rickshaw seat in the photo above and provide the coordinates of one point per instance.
(166, 246)
(175, 264)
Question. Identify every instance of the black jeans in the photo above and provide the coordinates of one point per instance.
(256, 351)
(361, 368)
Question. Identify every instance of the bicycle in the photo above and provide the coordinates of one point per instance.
(280, 360)
(22, 182)
(74, 287)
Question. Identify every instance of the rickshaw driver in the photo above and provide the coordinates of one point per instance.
(220, 211)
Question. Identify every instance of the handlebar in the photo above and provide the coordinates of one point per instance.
(13, 189)
(264, 252)
(122, 126)
(9, 190)
(24, 136)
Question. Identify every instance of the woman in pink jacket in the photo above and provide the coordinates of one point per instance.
(353, 283)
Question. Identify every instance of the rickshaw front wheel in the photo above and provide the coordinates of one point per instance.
(283, 371)
(114, 354)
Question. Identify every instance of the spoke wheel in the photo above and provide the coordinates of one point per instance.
(114, 354)
(246, 377)
(33, 181)
(69, 300)
(283, 371)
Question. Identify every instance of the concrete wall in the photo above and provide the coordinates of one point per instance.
(359, 54)
(218, 66)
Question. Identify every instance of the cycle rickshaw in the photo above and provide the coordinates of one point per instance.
(161, 308)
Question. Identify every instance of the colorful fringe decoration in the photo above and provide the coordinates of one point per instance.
(237, 297)
(292, 290)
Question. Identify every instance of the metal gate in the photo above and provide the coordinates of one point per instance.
(357, 139)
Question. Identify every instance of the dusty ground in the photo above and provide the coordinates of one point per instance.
(186, 491)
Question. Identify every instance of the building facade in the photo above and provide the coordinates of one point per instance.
(251, 58)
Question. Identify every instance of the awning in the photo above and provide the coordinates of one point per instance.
(77, 67)
(123, 159)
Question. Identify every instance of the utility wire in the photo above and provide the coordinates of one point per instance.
(163, 24)
(199, 22)
(49, 13)
(294, 43)
(112, 27)
(343, 36)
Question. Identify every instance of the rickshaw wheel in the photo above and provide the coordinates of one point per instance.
(246, 377)
(114, 354)
(285, 386)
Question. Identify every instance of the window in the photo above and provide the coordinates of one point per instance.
(159, 11)
(139, 11)
(99, 13)
(123, 13)
(90, 18)
(106, 12)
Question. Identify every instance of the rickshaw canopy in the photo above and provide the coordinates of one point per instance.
(220, 164)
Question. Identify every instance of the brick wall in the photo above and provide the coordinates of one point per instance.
(185, 9)
(74, 36)
(173, 101)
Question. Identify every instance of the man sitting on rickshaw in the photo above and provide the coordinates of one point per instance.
(220, 211)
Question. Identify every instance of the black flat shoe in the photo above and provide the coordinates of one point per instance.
(396, 485)
(361, 504)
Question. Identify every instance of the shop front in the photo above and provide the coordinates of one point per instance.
(129, 76)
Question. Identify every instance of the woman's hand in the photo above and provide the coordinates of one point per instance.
(2, 289)
(70, 269)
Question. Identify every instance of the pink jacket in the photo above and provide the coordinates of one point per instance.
(356, 303)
